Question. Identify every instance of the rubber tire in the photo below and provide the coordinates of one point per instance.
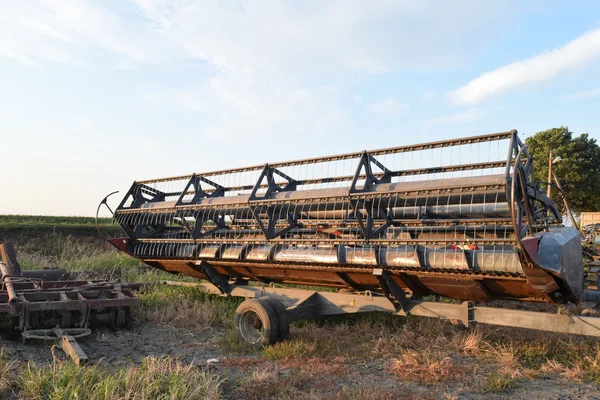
(267, 315)
(284, 323)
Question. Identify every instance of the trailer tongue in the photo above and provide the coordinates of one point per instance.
(460, 218)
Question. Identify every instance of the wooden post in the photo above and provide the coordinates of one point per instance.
(558, 185)
(549, 187)
(7, 252)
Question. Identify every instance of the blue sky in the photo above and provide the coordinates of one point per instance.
(94, 95)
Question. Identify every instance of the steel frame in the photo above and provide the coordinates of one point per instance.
(311, 304)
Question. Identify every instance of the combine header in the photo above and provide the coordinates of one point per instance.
(459, 218)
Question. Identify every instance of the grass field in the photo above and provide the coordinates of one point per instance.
(14, 225)
(177, 329)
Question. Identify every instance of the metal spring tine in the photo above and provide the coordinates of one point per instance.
(139, 218)
(128, 219)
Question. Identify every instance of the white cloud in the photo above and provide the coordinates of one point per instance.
(267, 67)
(313, 37)
(545, 66)
(323, 37)
(235, 105)
(256, 74)
(189, 98)
(430, 95)
(271, 58)
(584, 95)
(470, 115)
(62, 32)
(388, 106)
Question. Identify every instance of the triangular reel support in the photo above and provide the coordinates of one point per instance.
(370, 179)
(366, 224)
(199, 193)
(141, 194)
(268, 173)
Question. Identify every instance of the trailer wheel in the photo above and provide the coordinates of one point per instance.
(257, 322)
(284, 323)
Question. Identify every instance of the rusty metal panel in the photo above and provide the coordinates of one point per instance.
(233, 252)
(308, 255)
(361, 256)
(445, 258)
(497, 259)
(210, 251)
(400, 256)
(260, 253)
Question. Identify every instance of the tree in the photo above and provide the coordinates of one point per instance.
(579, 170)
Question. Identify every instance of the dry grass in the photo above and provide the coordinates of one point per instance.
(506, 357)
(581, 369)
(378, 393)
(369, 336)
(430, 352)
(531, 354)
(471, 344)
(184, 307)
(271, 383)
(7, 374)
(428, 368)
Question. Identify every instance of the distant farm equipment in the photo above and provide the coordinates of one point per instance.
(41, 305)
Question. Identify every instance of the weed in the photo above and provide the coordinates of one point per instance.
(291, 349)
(471, 344)
(270, 383)
(497, 382)
(153, 379)
(532, 355)
(7, 376)
(506, 356)
(427, 368)
(378, 393)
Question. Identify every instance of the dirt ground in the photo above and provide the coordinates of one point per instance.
(338, 379)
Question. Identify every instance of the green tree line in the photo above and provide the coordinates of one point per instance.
(578, 170)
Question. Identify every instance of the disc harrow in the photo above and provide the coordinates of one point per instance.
(38, 305)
